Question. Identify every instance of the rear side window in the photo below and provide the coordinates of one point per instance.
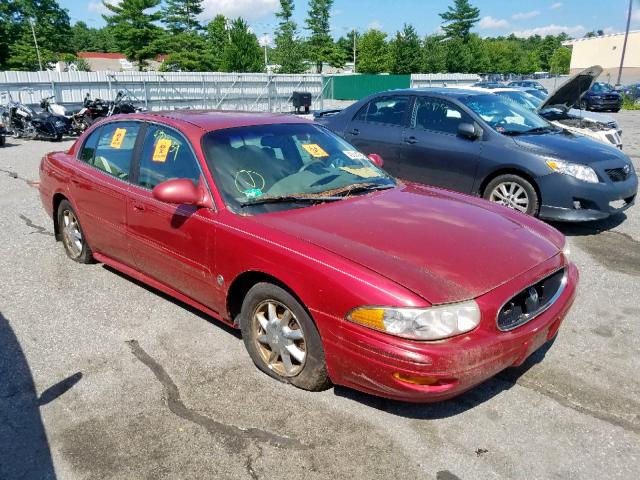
(110, 148)
(437, 115)
(166, 155)
(386, 110)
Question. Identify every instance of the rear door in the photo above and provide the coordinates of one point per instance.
(100, 186)
(433, 152)
(174, 244)
(377, 127)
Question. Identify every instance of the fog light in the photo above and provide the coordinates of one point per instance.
(577, 205)
(416, 380)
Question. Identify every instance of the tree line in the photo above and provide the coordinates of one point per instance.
(143, 29)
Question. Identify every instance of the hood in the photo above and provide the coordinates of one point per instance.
(571, 91)
(443, 246)
(569, 147)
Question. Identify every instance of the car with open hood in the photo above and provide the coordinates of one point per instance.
(476, 142)
(333, 270)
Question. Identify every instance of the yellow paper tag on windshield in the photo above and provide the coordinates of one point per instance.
(162, 150)
(315, 150)
(118, 137)
(364, 172)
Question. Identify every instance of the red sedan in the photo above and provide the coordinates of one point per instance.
(334, 271)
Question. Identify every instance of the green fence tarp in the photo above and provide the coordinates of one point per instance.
(355, 87)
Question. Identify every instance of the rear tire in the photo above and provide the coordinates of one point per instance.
(513, 192)
(73, 239)
(282, 339)
(3, 140)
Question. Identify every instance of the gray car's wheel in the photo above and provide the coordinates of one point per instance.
(282, 339)
(73, 239)
(514, 192)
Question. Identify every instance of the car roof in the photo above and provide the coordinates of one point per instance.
(463, 91)
(208, 120)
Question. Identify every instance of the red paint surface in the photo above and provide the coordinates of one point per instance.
(409, 246)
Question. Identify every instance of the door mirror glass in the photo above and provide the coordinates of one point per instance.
(376, 160)
(467, 130)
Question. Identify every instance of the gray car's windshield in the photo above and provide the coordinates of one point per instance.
(506, 116)
(290, 164)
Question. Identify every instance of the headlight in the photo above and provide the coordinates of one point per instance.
(433, 323)
(581, 172)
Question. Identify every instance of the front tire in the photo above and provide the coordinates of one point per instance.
(73, 239)
(282, 339)
(513, 192)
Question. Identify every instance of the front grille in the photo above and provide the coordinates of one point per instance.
(618, 174)
(531, 301)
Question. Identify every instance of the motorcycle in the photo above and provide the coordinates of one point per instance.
(74, 120)
(23, 121)
(98, 108)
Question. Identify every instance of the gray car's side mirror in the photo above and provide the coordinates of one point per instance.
(468, 130)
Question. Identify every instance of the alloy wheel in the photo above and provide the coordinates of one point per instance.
(512, 195)
(71, 234)
(279, 338)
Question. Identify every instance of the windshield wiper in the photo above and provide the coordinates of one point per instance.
(358, 187)
(289, 199)
(514, 133)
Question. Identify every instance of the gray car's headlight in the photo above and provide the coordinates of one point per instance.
(581, 172)
(433, 323)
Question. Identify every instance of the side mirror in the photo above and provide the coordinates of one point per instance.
(376, 160)
(468, 130)
(182, 191)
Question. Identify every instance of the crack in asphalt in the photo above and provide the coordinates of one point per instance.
(608, 417)
(12, 174)
(235, 438)
(249, 464)
(37, 228)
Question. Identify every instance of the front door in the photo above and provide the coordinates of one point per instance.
(174, 244)
(100, 185)
(433, 152)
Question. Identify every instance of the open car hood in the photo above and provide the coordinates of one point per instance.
(571, 91)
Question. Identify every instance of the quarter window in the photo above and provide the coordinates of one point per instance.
(438, 115)
(166, 155)
(110, 148)
(386, 110)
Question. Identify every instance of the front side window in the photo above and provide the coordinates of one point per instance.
(507, 118)
(110, 148)
(166, 155)
(437, 115)
(386, 110)
(290, 162)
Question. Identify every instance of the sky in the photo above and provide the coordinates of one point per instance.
(498, 17)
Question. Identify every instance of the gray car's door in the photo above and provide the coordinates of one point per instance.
(378, 126)
(433, 152)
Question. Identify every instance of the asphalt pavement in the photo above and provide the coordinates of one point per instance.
(104, 378)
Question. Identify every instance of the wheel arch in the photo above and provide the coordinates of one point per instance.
(57, 200)
(511, 171)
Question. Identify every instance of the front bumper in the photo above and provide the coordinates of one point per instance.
(597, 200)
(371, 361)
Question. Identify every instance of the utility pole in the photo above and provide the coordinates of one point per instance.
(266, 58)
(35, 41)
(355, 33)
(624, 45)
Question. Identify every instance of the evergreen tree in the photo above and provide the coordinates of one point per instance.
(373, 52)
(288, 51)
(188, 52)
(434, 54)
(405, 52)
(182, 15)
(320, 44)
(134, 29)
(243, 52)
(459, 19)
(217, 38)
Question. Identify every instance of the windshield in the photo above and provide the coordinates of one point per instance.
(505, 116)
(601, 88)
(521, 98)
(258, 165)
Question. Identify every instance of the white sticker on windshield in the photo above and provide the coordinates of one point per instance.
(354, 155)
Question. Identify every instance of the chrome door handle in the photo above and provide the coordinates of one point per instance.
(411, 140)
(355, 131)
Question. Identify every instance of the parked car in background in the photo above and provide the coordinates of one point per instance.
(334, 271)
(601, 96)
(529, 84)
(488, 84)
(632, 91)
(478, 143)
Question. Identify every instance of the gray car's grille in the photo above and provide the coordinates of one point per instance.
(531, 301)
(618, 174)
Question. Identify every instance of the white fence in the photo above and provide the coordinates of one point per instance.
(422, 80)
(166, 91)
